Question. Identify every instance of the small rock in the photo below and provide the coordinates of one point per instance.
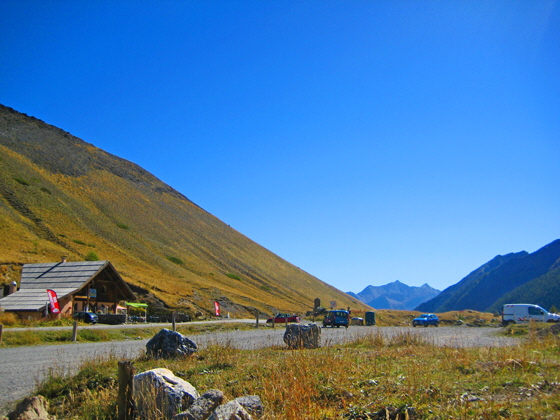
(203, 406)
(252, 404)
(32, 408)
(230, 411)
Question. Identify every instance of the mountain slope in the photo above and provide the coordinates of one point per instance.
(484, 287)
(395, 295)
(62, 196)
(447, 297)
(543, 291)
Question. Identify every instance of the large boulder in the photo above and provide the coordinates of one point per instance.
(169, 344)
(158, 393)
(299, 336)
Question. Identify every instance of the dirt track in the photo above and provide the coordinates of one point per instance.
(22, 368)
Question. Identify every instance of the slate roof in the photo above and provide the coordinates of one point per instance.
(63, 277)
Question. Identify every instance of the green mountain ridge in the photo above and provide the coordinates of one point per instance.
(513, 278)
(62, 196)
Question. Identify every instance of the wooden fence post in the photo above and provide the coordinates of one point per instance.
(125, 398)
(1, 331)
(257, 311)
(75, 331)
(173, 322)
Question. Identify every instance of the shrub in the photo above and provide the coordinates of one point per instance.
(233, 276)
(21, 181)
(92, 256)
(175, 260)
(77, 241)
(46, 190)
(123, 226)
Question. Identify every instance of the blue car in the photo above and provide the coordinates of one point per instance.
(426, 320)
(336, 319)
(87, 317)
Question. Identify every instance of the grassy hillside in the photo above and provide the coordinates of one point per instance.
(62, 196)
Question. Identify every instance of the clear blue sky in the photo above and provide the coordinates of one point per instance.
(363, 141)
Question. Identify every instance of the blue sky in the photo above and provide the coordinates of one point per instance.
(363, 141)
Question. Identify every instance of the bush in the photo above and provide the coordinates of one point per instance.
(233, 276)
(123, 226)
(22, 181)
(92, 256)
(175, 260)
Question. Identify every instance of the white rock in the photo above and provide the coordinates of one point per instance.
(158, 393)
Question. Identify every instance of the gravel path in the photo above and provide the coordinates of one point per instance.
(22, 368)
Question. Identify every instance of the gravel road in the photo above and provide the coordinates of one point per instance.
(22, 368)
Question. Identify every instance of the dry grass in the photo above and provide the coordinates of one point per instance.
(369, 378)
(39, 336)
(9, 319)
(129, 217)
(392, 317)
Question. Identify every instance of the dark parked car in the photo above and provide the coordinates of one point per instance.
(370, 318)
(283, 318)
(336, 319)
(87, 317)
(426, 320)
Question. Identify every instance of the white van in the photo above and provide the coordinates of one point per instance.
(523, 312)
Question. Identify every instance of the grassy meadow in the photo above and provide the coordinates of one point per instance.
(369, 378)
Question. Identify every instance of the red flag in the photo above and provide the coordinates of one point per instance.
(217, 308)
(55, 308)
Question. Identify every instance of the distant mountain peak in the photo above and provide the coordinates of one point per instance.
(395, 295)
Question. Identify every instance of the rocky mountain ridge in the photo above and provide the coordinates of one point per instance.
(395, 295)
(518, 277)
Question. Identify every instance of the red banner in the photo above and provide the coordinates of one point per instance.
(55, 308)
(217, 308)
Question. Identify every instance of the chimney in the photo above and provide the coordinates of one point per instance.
(64, 257)
(10, 288)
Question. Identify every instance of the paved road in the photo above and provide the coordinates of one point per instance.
(139, 325)
(22, 368)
